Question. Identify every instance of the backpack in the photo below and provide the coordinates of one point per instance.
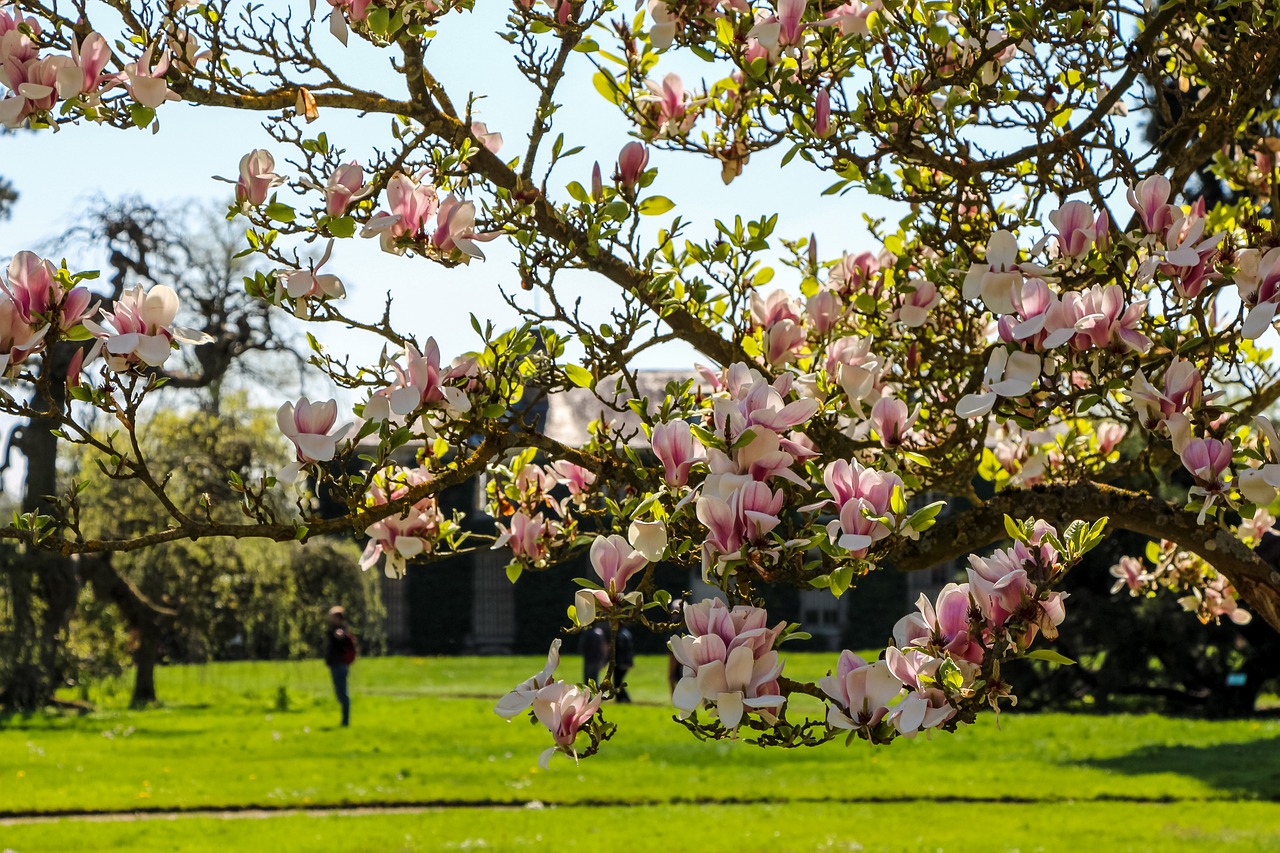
(348, 648)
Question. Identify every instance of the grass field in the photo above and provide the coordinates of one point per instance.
(428, 766)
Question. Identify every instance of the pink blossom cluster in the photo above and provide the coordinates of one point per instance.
(729, 662)
(529, 531)
(862, 498)
(741, 501)
(137, 330)
(34, 84)
(404, 535)
(561, 707)
(420, 383)
(32, 304)
(406, 222)
(615, 561)
(1201, 590)
(864, 696)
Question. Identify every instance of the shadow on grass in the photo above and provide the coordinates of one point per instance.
(1250, 770)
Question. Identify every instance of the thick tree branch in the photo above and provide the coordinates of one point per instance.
(965, 532)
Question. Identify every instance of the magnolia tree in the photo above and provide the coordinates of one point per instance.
(1046, 316)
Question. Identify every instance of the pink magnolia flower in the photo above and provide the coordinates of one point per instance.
(138, 329)
(257, 178)
(648, 538)
(84, 75)
(995, 280)
(345, 186)
(852, 16)
(1132, 573)
(925, 706)
(677, 450)
(146, 82)
(1008, 374)
(577, 479)
(456, 230)
(615, 562)
(564, 709)
(402, 536)
(1116, 325)
(489, 139)
(1259, 285)
(523, 695)
(892, 421)
(632, 162)
(32, 87)
(311, 428)
(941, 626)
(854, 273)
(673, 111)
(526, 536)
(1209, 461)
(918, 302)
(302, 286)
(410, 206)
(32, 284)
(419, 382)
(1183, 392)
(822, 114)
(728, 661)
(1150, 199)
(860, 692)
(18, 338)
(783, 32)
(862, 497)
(1077, 228)
(1109, 435)
(824, 310)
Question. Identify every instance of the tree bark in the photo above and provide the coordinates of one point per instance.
(146, 618)
(1257, 581)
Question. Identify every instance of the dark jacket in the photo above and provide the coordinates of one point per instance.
(335, 647)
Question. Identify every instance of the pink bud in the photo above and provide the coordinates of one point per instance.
(631, 164)
(822, 114)
(597, 184)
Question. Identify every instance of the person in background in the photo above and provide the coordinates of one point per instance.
(595, 651)
(624, 659)
(340, 653)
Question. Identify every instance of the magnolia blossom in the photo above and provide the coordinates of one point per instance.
(854, 273)
(420, 382)
(1209, 461)
(995, 281)
(1259, 285)
(145, 82)
(83, 75)
(1008, 374)
(522, 696)
(861, 693)
(1150, 199)
(942, 626)
(410, 205)
(456, 230)
(783, 32)
(257, 178)
(526, 536)
(915, 306)
(674, 445)
(862, 496)
(1077, 228)
(310, 426)
(926, 705)
(18, 338)
(302, 286)
(631, 164)
(728, 662)
(1132, 573)
(138, 329)
(564, 709)
(404, 535)
(672, 110)
(892, 421)
(615, 562)
(345, 187)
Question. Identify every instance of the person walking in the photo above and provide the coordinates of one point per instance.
(624, 659)
(595, 652)
(340, 653)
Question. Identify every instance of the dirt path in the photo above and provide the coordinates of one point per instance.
(256, 812)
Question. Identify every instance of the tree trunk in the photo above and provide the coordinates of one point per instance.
(147, 619)
(145, 658)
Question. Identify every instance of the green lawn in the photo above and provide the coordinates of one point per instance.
(421, 736)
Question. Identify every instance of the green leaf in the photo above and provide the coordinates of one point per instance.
(1014, 530)
(606, 85)
(1050, 656)
(579, 376)
(342, 226)
(280, 212)
(514, 570)
(142, 116)
(655, 205)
